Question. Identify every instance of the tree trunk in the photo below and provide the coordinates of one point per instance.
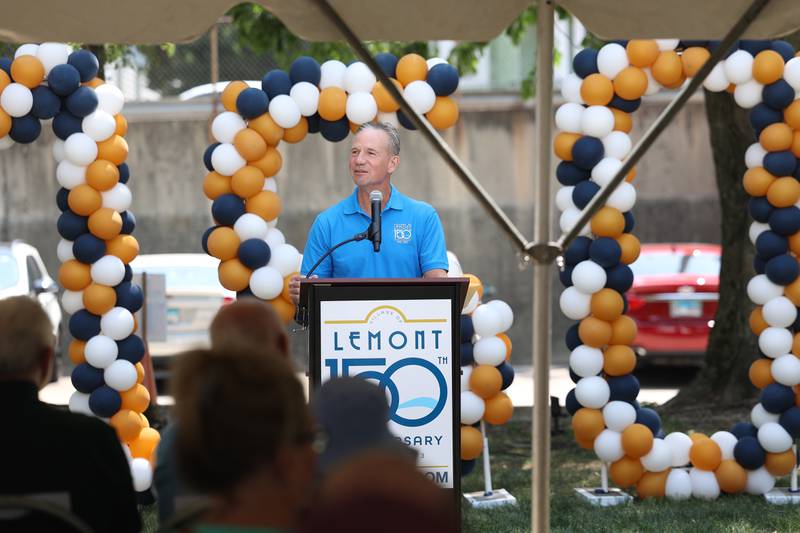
(99, 51)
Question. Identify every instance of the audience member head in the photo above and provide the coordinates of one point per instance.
(26, 341)
(249, 324)
(244, 435)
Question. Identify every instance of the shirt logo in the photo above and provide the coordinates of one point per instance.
(402, 233)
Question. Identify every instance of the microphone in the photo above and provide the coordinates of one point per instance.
(375, 198)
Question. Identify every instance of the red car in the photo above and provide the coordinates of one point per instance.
(674, 301)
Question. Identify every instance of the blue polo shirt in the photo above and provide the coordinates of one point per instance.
(412, 240)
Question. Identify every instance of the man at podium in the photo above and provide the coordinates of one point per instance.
(410, 240)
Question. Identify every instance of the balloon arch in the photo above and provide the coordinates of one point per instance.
(607, 87)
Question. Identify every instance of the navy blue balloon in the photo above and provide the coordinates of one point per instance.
(572, 339)
(405, 121)
(207, 155)
(692, 43)
(777, 398)
(82, 102)
(744, 429)
(467, 467)
(749, 453)
(760, 209)
(585, 62)
(305, 68)
(128, 222)
(649, 418)
(628, 106)
(131, 348)
(87, 248)
(86, 64)
(796, 326)
(388, 63)
(65, 124)
(507, 371)
(578, 250)
(86, 378)
(64, 79)
(313, 123)
(467, 329)
(129, 296)
(785, 49)
(105, 401)
(567, 173)
(583, 193)
(335, 131)
(630, 222)
(443, 78)
(619, 278)
(624, 303)
(571, 403)
(565, 276)
(624, 388)
(785, 220)
(204, 240)
(778, 95)
(575, 378)
(254, 253)
(276, 82)
(61, 199)
(782, 270)
(71, 226)
(252, 103)
(605, 251)
(762, 116)
(754, 46)
(25, 130)
(790, 420)
(5, 64)
(83, 325)
(780, 163)
(128, 273)
(770, 244)
(466, 356)
(227, 208)
(759, 265)
(46, 103)
(587, 152)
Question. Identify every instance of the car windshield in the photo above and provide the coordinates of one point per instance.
(9, 274)
(655, 263)
(184, 277)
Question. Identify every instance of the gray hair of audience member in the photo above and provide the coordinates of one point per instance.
(249, 324)
(392, 135)
(26, 335)
(237, 412)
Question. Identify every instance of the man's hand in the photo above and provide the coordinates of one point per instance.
(294, 288)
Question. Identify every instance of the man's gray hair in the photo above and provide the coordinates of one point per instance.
(25, 333)
(388, 129)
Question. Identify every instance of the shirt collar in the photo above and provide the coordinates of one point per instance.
(396, 201)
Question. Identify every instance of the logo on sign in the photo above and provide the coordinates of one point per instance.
(402, 233)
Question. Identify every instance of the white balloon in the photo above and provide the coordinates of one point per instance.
(358, 78)
(704, 484)
(332, 74)
(16, 100)
(717, 81)
(611, 59)
(568, 117)
(471, 305)
(389, 118)
(120, 375)
(588, 277)
(117, 323)
(617, 145)
(70, 176)
(568, 219)
(361, 108)
(779, 312)
(420, 96)
(72, 301)
(118, 197)
(109, 98)
(306, 96)
(433, 61)
(466, 373)
(754, 155)
(739, 67)
(775, 342)
(487, 321)
(759, 482)
(284, 111)
(101, 351)
(608, 446)
(571, 88)
(489, 351)
(58, 150)
(597, 121)
(454, 269)
(791, 73)
(250, 226)
(592, 392)
(80, 149)
(761, 290)
(748, 94)
(108, 270)
(141, 473)
(774, 438)
(505, 312)
(604, 171)
(274, 238)
(659, 458)
(726, 442)
(666, 45)
(680, 444)
(284, 258)
(760, 416)
(472, 407)
(64, 250)
(652, 85)
(52, 54)
(619, 415)
(29, 49)
(99, 125)
(786, 370)
(270, 184)
(756, 229)
(585, 361)
(564, 198)
(79, 403)
(226, 160)
(226, 125)
(679, 485)
(6, 142)
(623, 197)
(575, 304)
(266, 283)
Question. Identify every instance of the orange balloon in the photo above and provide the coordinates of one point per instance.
(233, 275)
(622, 120)
(756, 320)
(623, 330)
(796, 344)
(562, 145)
(411, 67)
(791, 115)
(265, 204)
(139, 372)
(271, 163)
(285, 309)
(250, 144)
(668, 69)
(619, 360)
(642, 53)
(126, 247)
(678, 83)
(296, 133)
(780, 464)
(626, 472)
(94, 83)
(607, 304)
(215, 185)
(693, 59)
(594, 332)
(354, 127)
(732, 478)
(794, 243)
(784, 192)
(84, 200)
(5, 80)
(444, 113)
(767, 67)
(797, 395)
(586, 444)
(267, 128)
(697, 436)
(795, 148)
(760, 373)
(705, 454)
(475, 285)
(386, 103)
(74, 275)
(630, 83)
(471, 443)
(507, 341)
(105, 223)
(99, 299)
(631, 175)
(248, 181)
(608, 222)
(596, 89)
(122, 124)
(127, 424)
(630, 247)
(102, 175)
(231, 93)
(113, 149)
(498, 409)
(637, 440)
(485, 381)
(587, 423)
(223, 243)
(5, 121)
(756, 181)
(76, 352)
(776, 137)
(144, 446)
(28, 71)
(332, 102)
(652, 485)
(137, 398)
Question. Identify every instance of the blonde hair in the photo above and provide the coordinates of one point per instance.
(25, 333)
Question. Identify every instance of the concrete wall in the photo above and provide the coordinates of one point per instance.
(677, 198)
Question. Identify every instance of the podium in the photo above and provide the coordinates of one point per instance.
(404, 335)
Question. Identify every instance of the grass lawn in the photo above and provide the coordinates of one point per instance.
(573, 467)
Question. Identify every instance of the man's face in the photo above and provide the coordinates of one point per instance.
(371, 161)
